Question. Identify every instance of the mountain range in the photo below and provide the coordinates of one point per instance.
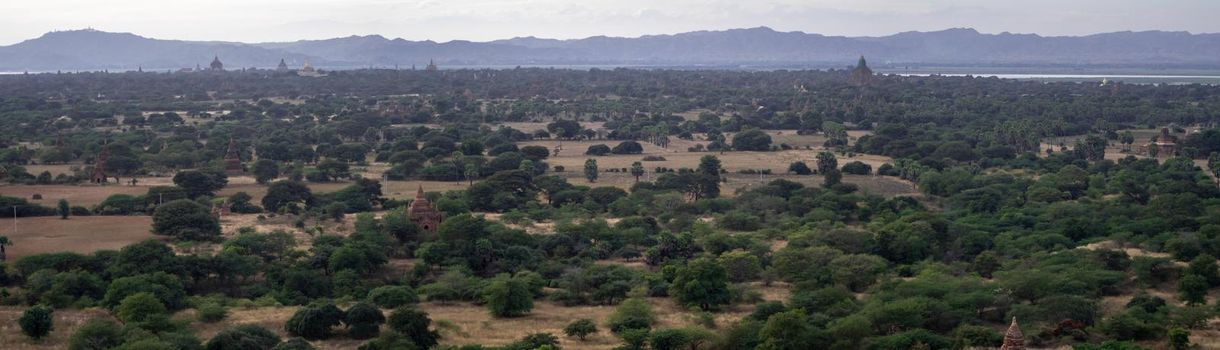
(761, 46)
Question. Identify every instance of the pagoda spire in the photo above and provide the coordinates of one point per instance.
(419, 193)
(1013, 339)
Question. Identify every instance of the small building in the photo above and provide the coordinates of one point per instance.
(861, 75)
(216, 66)
(1013, 339)
(1166, 145)
(423, 214)
(233, 160)
(99, 176)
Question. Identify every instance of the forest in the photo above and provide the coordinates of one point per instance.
(1049, 203)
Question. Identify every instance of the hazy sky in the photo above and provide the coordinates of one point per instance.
(480, 20)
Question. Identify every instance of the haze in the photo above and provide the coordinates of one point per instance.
(482, 20)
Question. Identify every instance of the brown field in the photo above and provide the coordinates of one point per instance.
(82, 195)
(81, 234)
(458, 323)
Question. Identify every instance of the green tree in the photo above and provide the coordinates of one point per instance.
(752, 140)
(140, 307)
(393, 296)
(199, 183)
(413, 324)
(302, 344)
(591, 171)
(788, 330)
(243, 337)
(702, 283)
(97, 334)
(826, 162)
(1205, 266)
(185, 219)
(708, 181)
(1213, 165)
(1193, 289)
(831, 178)
(314, 321)
(508, 297)
(363, 320)
(36, 322)
(799, 168)
(637, 170)
(64, 209)
(284, 194)
(632, 313)
(580, 328)
(1179, 338)
(265, 170)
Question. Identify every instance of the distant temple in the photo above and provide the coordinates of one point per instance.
(1165, 144)
(99, 175)
(283, 67)
(1013, 339)
(431, 66)
(233, 159)
(861, 74)
(216, 65)
(423, 214)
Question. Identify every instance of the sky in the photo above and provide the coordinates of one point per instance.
(483, 20)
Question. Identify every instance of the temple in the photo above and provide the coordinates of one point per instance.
(233, 159)
(283, 67)
(423, 214)
(1013, 339)
(431, 66)
(99, 175)
(216, 65)
(1165, 143)
(861, 74)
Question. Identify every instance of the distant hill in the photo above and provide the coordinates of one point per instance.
(89, 49)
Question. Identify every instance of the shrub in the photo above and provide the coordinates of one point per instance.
(393, 296)
(363, 320)
(36, 322)
(580, 328)
(597, 150)
(631, 314)
(97, 334)
(857, 168)
(413, 324)
(314, 321)
(628, 147)
(508, 297)
(212, 313)
(139, 307)
(243, 337)
(185, 219)
(800, 168)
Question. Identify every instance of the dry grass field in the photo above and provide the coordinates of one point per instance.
(458, 323)
(81, 234)
(78, 195)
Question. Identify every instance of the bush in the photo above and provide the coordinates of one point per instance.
(314, 322)
(597, 150)
(139, 307)
(631, 314)
(508, 297)
(363, 321)
(212, 313)
(243, 337)
(36, 322)
(185, 219)
(628, 147)
(390, 297)
(857, 168)
(580, 328)
(752, 140)
(800, 168)
(413, 324)
(97, 334)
